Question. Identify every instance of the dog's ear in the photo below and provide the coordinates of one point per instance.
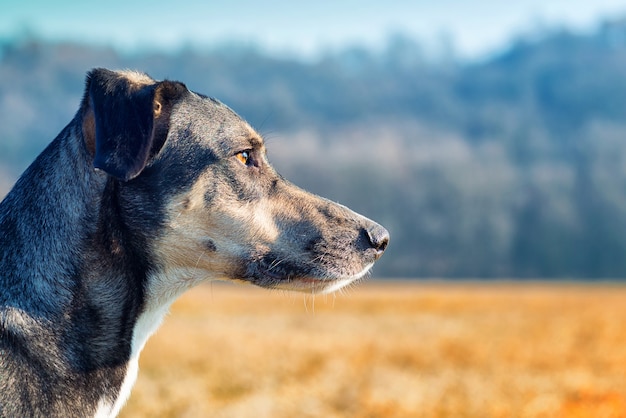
(120, 114)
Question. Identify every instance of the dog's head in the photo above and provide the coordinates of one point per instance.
(195, 176)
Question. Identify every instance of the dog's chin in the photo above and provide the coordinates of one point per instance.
(322, 284)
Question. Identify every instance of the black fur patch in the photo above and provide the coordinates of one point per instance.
(125, 144)
(122, 143)
(209, 245)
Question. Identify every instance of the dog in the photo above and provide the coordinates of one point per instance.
(150, 190)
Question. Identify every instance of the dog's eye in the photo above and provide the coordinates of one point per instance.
(243, 156)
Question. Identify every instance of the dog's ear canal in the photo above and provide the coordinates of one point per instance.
(125, 121)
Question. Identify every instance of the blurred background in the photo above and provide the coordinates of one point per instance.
(488, 137)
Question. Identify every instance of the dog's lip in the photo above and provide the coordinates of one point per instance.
(324, 283)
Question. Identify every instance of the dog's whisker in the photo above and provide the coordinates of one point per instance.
(199, 258)
(275, 263)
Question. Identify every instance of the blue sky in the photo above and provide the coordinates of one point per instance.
(475, 28)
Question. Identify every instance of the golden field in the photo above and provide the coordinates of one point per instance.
(402, 349)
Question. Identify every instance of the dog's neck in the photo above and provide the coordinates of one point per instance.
(34, 212)
(89, 319)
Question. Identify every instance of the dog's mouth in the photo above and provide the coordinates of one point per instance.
(293, 277)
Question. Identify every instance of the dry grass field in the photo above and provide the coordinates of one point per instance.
(389, 350)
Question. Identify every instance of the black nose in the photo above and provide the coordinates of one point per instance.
(378, 238)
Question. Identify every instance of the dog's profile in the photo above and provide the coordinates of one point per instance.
(148, 191)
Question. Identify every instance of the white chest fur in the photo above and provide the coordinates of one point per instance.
(146, 325)
(163, 289)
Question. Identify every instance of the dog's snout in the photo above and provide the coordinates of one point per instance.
(378, 238)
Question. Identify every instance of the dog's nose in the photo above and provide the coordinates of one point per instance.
(378, 238)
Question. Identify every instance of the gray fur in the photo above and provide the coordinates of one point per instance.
(87, 254)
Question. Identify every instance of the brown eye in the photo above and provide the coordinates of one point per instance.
(243, 156)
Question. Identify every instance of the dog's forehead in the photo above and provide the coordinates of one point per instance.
(211, 123)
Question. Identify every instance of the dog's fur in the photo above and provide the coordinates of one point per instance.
(149, 190)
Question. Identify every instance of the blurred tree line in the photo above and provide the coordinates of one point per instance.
(511, 167)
